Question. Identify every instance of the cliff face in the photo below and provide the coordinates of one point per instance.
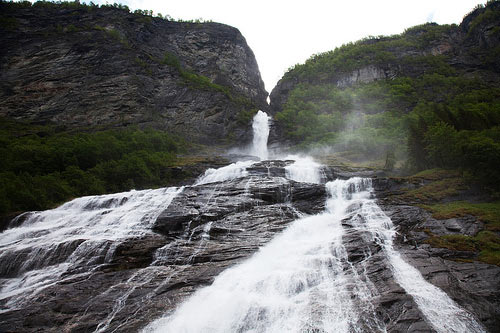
(470, 48)
(85, 66)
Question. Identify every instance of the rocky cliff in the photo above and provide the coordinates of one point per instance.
(82, 66)
(470, 48)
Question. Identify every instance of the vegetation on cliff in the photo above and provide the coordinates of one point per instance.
(486, 242)
(429, 98)
(420, 98)
(99, 99)
(41, 167)
(397, 50)
(83, 65)
(145, 15)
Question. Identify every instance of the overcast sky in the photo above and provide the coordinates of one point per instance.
(283, 33)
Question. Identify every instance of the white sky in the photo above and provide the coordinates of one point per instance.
(283, 33)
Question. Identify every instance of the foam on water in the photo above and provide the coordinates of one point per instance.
(302, 280)
(438, 308)
(304, 169)
(260, 126)
(228, 172)
(295, 283)
(80, 233)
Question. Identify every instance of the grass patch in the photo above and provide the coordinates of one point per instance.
(489, 213)
(436, 190)
(454, 242)
(171, 59)
(115, 34)
(485, 243)
(435, 174)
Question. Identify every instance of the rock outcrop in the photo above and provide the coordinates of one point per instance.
(210, 227)
(85, 66)
(472, 284)
(205, 229)
(364, 75)
(467, 48)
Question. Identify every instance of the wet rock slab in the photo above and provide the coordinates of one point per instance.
(389, 305)
(209, 228)
(206, 229)
(473, 285)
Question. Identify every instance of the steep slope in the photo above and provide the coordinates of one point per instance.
(430, 100)
(275, 252)
(470, 49)
(84, 66)
(402, 94)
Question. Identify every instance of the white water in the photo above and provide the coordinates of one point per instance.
(293, 284)
(438, 308)
(260, 126)
(302, 281)
(228, 172)
(304, 169)
(95, 226)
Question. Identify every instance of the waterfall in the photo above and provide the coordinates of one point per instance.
(295, 283)
(438, 308)
(304, 169)
(81, 233)
(302, 280)
(260, 126)
(228, 172)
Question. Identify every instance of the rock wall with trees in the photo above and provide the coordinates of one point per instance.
(430, 94)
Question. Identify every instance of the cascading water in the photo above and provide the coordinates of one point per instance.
(439, 309)
(295, 283)
(304, 169)
(228, 172)
(82, 232)
(302, 280)
(260, 126)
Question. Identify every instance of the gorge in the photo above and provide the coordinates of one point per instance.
(147, 186)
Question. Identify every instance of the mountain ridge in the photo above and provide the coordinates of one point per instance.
(85, 66)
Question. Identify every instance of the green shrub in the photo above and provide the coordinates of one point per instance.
(115, 34)
(196, 81)
(40, 168)
(8, 23)
(244, 117)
